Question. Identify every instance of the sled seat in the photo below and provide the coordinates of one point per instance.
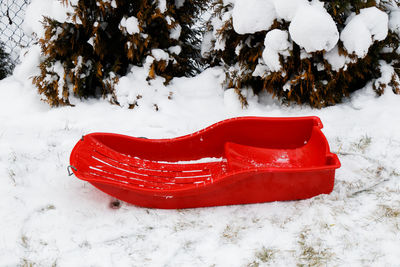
(100, 163)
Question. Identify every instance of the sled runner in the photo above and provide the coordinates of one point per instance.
(235, 161)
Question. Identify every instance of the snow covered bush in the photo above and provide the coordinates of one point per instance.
(314, 52)
(102, 39)
(6, 65)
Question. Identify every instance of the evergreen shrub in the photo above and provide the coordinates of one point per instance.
(85, 55)
(304, 77)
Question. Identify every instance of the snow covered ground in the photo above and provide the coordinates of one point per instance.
(49, 218)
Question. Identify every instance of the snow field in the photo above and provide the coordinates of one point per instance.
(51, 218)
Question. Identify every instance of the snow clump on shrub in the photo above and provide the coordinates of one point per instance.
(314, 52)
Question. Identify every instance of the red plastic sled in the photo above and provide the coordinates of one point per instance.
(236, 161)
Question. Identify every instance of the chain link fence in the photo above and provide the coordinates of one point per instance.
(12, 13)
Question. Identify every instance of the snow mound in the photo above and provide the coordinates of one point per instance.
(336, 60)
(363, 29)
(286, 9)
(314, 29)
(258, 15)
(131, 24)
(253, 16)
(276, 42)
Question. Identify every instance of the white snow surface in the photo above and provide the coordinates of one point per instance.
(162, 5)
(286, 9)
(38, 9)
(196, 161)
(314, 29)
(275, 43)
(50, 218)
(179, 3)
(336, 60)
(363, 29)
(176, 49)
(175, 32)
(394, 21)
(252, 16)
(159, 54)
(131, 24)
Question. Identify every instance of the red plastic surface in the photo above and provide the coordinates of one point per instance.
(258, 160)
